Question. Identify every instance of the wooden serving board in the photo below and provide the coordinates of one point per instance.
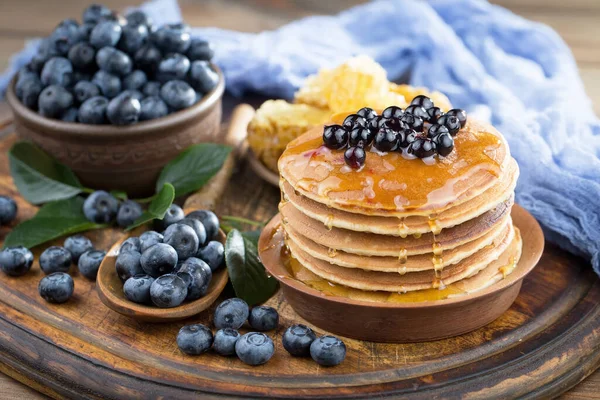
(544, 344)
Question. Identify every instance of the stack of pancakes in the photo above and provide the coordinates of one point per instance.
(401, 226)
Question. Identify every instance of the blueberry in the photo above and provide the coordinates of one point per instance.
(335, 137)
(174, 214)
(137, 289)
(28, 90)
(422, 147)
(200, 50)
(46, 50)
(407, 137)
(138, 17)
(124, 109)
(202, 77)
(417, 111)
(153, 107)
(422, 101)
(460, 114)
(194, 339)
(57, 287)
(54, 101)
(128, 212)
(84, 31)
(109, 84)
(133, 38)
(451, 122)
(85, 90)
(8, 210)
(15, 261)
(93, 111)
(328, 351)
(183, 239)
(130, 244)
(89, 263)
(55, 259)
(173, 66)
(168, 291)
(151, 88)
(77, 245)
(225, 340)
(159, 259)
(82, 56)
(297, 340)
(178, 94)
(67, 29)
(232, 313)
(376, 123)
(434, 113)
(95, 12)
(136, 94)
(209, 220)
(360, 136)
(100, 207)
(367, 113)
(354, 120)
(386, 140)
(173, 38)
(444, 144)
(106, 33)
(147, 58)
(413, 121)
(135, 80)
(113, 61)
(263, 318)
(254, 348)
(128, 265)
(213, 254)
(435, 130)
(197, 275)
(198, 228)
(392, 112)
(355, 157)
(149, 239)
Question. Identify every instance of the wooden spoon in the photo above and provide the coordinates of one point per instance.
(110, 287)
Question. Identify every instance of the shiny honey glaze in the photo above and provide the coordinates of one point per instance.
(392, 181)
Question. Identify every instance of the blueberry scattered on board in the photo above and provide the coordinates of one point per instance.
(176, 266)
(419, 131)
(115, 70)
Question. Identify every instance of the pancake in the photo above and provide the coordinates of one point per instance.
(500, 192)
(391, 185)
(394, 282)
(399, 264)
(380, 245)
(493, 273)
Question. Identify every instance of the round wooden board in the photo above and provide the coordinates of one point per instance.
(543, 345)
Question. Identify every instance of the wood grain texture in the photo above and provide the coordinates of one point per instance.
(24, 19)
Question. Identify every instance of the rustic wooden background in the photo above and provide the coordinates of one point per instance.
(575, 20)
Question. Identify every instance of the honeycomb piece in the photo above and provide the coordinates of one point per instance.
(410, 92)
(276, 123)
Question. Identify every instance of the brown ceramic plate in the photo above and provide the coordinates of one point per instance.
(406, 322)
(110, 291)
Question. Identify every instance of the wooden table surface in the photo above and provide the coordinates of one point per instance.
(575, 20)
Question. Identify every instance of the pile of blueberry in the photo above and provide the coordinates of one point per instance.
(421, 130)
(55, 262)
(168, 268)
(256, 348)
(102, 207)
(117, 70)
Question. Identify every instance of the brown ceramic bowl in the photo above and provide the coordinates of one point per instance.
(110, 291)
(405, 322)
(127, 158)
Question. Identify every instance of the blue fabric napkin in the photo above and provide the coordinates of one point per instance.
(516, 73)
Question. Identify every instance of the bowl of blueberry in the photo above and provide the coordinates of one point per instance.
(116, 98)
(167, 274)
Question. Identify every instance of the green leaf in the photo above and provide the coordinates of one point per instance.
(39, 177)
(193, 167)
(119, 194)
(247, 274)
(53, 220)
(158, 207)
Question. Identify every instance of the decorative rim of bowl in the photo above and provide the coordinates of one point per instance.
(522, 220)
(61, 128)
